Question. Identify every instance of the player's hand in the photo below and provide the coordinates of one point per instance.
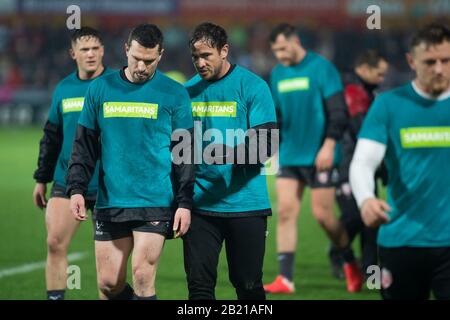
(39, 195)
(325, 157)
(373, 212)
(77, 207)
(181, 222)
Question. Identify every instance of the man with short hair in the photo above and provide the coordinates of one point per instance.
(127, 123)
(307, 90)
(231, 202)
(409, 127)
(54, 154)
(360, 88)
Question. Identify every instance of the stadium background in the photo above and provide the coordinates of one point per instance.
(33, 58)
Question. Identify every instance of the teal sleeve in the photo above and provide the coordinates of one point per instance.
(182, 112)
(88, 116)
(261, 108)
(330, 80)
(375, 125)
(54, 115)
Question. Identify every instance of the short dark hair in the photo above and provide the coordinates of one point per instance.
(285, 29)
(213, 34)
(85, 32)
(371, 57)
(147, 35)
(432, 34)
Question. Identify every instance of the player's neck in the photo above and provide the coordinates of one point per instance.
(83, 75)
(300, 55)
(225, 68)
(423, 92)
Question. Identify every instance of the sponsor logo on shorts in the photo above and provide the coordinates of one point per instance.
(322, 177)
(130, 110)
(154, 223)
(98, 226)
(425, 137)
(294, 84)
(214, 109)
(72, 104)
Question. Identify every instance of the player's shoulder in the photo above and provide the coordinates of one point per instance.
(394, 94)
(249, 80)
(319, 60)
(167, 86)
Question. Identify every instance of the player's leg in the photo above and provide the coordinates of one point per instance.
(351, 219)
(149, 240)
(322, 201)
(61, 226)
(405, 273)
(289, 193)
(369, 248)
(113, 245)
(245, 242)
(201, 246)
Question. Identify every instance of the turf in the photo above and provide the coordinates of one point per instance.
(23, 241)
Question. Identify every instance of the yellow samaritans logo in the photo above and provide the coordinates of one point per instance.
(72, 104)
(214, 109)
(130, 110)
(425, 137)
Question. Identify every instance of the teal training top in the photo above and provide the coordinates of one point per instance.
(416, 132)
(67, 103)
(238, 101)
(136, 122)
(299, 92)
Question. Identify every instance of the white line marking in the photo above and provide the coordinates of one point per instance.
(28, 267)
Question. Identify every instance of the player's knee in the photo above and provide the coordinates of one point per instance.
(56, 245)
(109, 287)
(287, 212)
(143, 275)
(322, 214)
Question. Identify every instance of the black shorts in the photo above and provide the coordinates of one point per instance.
(310, 176)
(60, 192)
(107, 231)
(412, 272)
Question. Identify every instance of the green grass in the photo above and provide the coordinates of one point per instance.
(23, 240)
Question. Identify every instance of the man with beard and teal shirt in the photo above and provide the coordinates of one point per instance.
(54, 154)
(409, 127)
(231, 202)
(308, 94)
(128, 122)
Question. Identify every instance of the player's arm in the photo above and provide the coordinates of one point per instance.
(367, 157)
(85, 153)
(49, 150)
(183, 169)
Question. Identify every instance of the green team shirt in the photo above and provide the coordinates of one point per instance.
(416, 132)
(136, 122)
(240, 100)
(299, 92)
(67, 103)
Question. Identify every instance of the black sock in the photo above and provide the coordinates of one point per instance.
(55, 294)
(286, 262)
(153, 297)
(347, 255)
(126, 294)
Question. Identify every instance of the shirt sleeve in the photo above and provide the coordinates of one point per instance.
(261, 108)
(54, 114)
(88, 116)
(375, 125)
(330, 81)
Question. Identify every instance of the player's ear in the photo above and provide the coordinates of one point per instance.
(127, 48)
(410, 60)
(224, 51)
(72, 53)
(160, 54)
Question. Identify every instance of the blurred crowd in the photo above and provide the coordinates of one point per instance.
(36, 57)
